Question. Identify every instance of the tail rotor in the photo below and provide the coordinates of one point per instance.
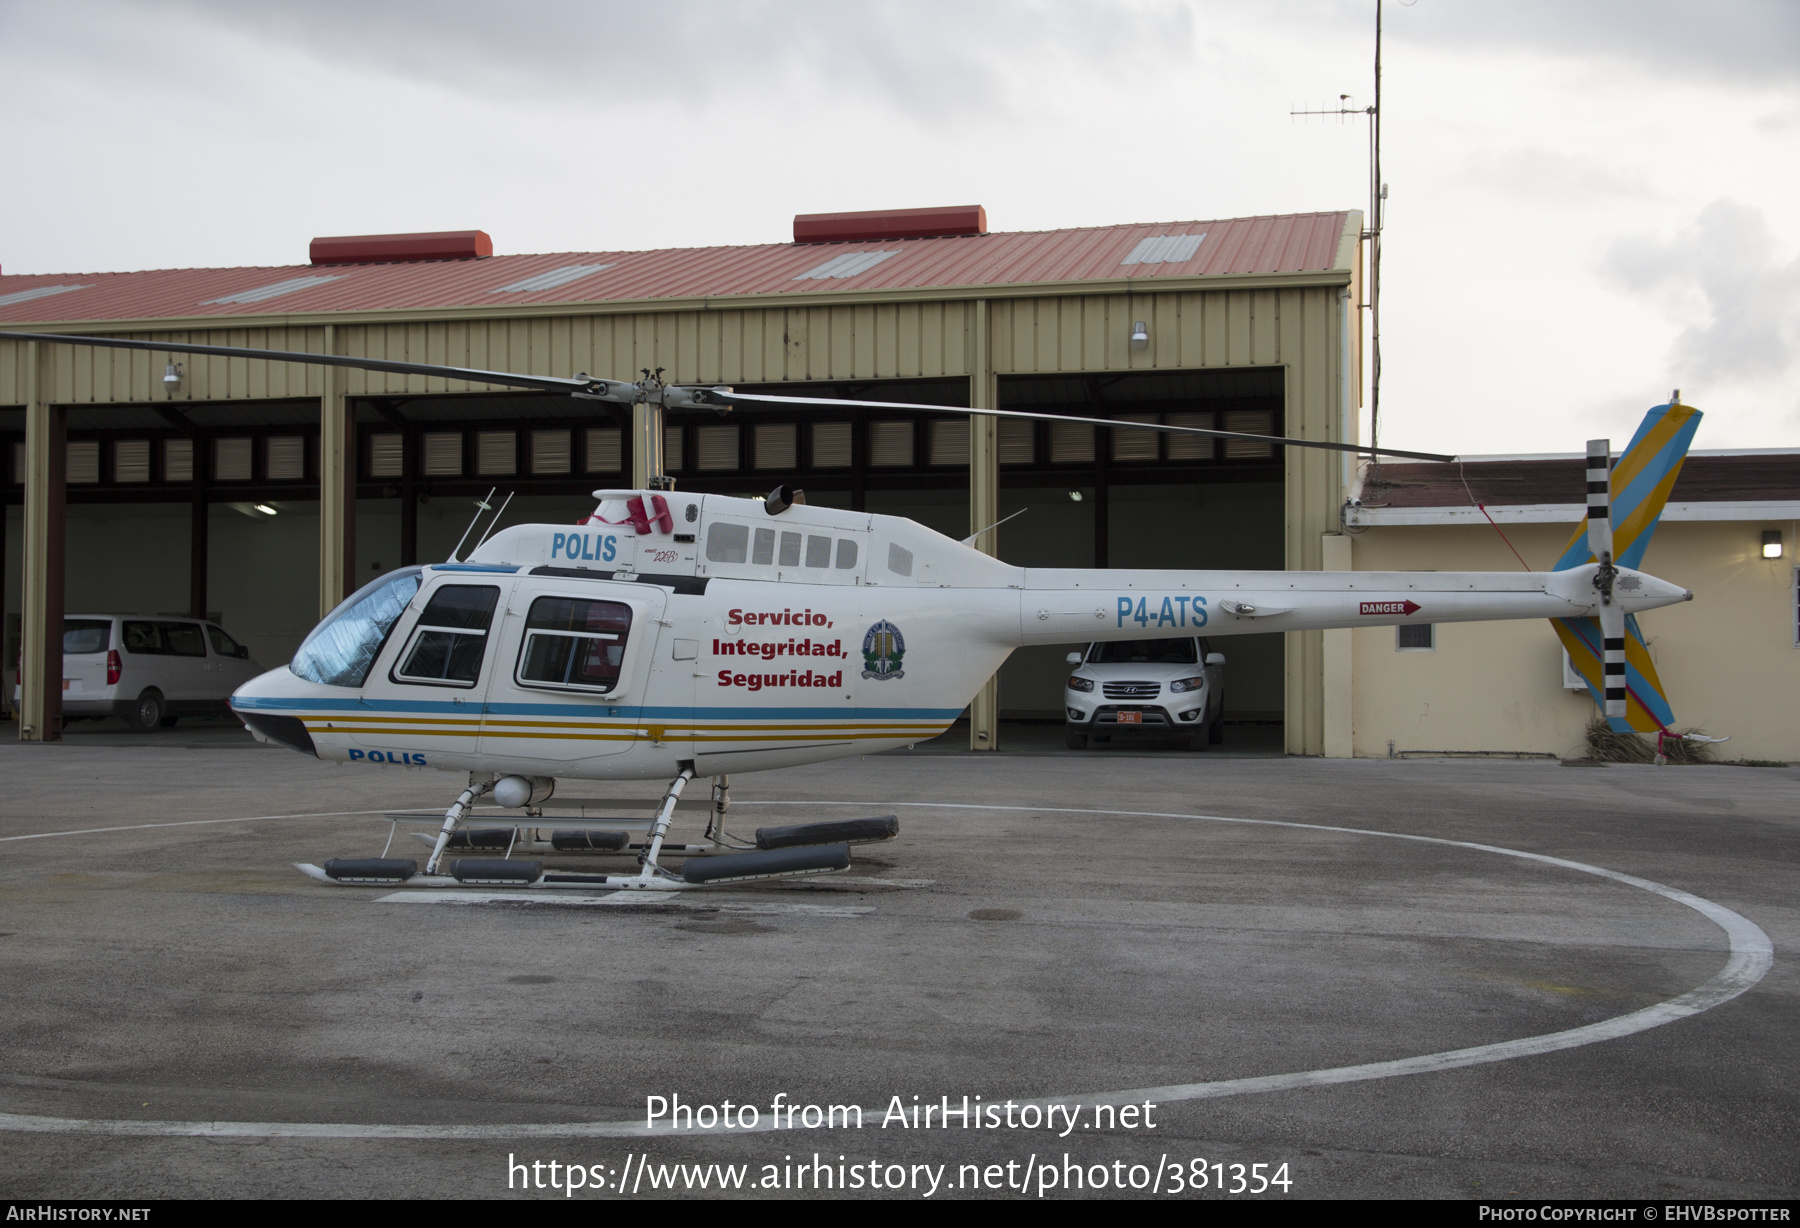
(1600, 542)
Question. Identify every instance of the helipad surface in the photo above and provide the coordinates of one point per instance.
(1578, 1009)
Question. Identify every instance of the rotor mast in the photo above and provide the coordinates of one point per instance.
(647, 434)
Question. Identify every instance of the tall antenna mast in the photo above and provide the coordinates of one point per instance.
(1377, 206)
(1371, 234)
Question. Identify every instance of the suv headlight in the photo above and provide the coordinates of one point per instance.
(1080, 684)
(1187, 684)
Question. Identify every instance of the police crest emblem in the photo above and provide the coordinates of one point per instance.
(883, 649)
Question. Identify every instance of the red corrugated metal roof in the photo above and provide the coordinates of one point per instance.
(1291, 243)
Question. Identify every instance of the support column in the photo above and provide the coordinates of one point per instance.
(1339, 726)
(411, 443)
(41, 601)
(984, 507)
(646, 444)
(198, 547)
(337, 487)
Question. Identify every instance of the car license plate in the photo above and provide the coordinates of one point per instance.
(1131, 718)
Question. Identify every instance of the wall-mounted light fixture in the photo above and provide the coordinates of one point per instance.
(1074, 496)
(172, 377)
(265, 509)
(1771, 543)
(1140, 335)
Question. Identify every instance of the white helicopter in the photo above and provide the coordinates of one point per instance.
(673, 636)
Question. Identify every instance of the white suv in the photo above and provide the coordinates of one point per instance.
(1148, 688)
(151, 671)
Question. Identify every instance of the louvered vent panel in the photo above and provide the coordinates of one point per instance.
(131, 460)
(83, 460)
(604, 449)
(178, 460)
(1018, 441)
(716, 447)
(1130, 445)
(673, 462)
(950, 441)
(1071, 443)
(1191, 447)
(496, 452)
(1253, 422)
(231, 460)
(777, 445)
(890, 444)
(831, 445)
(550, 452)
(444, 455)
(387, 456)
(286, 457)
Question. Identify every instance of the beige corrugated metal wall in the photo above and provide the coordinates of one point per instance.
(1295, 328)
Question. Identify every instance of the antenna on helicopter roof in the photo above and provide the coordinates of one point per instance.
(493, 522)
(481, 505)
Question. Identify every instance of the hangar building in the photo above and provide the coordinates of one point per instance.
(263, 492)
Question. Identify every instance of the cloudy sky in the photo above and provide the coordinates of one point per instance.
(1592, 201)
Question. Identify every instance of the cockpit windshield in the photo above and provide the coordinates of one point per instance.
(340, 650)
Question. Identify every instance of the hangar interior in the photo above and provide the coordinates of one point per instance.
(1133, 499)
(264, 492)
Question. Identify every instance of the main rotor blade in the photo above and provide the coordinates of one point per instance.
(700, 395)
(508, 379)
(1116, 424)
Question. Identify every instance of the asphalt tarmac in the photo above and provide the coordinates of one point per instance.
(185, 1015)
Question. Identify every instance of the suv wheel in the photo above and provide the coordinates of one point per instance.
(1215, 729)
(1074, 740)
(147, 713)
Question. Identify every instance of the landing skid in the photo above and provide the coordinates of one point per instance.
(801, 851)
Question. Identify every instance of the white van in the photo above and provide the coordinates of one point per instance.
(149, 670)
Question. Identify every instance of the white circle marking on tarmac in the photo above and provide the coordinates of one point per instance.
(1751, 956)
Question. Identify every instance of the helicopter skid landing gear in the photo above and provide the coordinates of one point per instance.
(704, 868)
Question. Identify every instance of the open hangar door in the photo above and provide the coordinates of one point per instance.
(1100, 497)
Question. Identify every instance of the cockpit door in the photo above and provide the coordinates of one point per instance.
(572, 677)
(424, 697)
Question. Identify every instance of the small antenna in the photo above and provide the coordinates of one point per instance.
(493, 522)
(970, 539)
(481, 505)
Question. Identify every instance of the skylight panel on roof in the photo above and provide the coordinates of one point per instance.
(264, 293)
(552, 279)
(25, 296)
(1164, 249)
(847, 265)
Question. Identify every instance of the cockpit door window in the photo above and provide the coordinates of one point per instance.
(450, 640)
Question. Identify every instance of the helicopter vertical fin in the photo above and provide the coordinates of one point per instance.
(1639, 489)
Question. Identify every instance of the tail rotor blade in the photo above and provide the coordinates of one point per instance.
(1600, 541)
(1599, 499)
(1612, 638)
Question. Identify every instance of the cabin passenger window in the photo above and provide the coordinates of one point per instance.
(451, 638)
(846, 556)
(899, 560)
(818, 551)
(575, 644)
(764, 553)
(726, 542)
(790, 550)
